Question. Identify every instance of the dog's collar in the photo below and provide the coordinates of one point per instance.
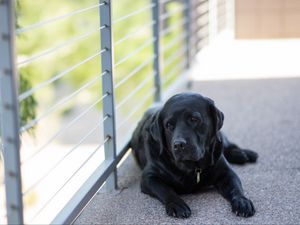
(198, 172)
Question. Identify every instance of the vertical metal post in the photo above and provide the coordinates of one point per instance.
(188, 30)
(10, 115)
(193, 27)
(213, 19)
(230, 11)
(156, 11)
(108, 89)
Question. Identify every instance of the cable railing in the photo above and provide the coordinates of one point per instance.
(57, 18)
(134, 72)
(58, 76)
(169, 61)
(136, 51)
(200, 3)
(70, 124)
(201, 42)
(178, 67)
(34, 122)
(176, 12)
(174, 42)
(135, 91)
(144, 9)
(166, 1)
(92, 130)
(137, 108)
(150, 59)
(135, 32)
(172, 28)
(58, 47)
(200, 27)
(60, 103)
(67, 181)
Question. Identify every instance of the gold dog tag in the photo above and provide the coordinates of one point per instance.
(198, 172)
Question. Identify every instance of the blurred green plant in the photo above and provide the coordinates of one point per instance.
(28, 106)
(35, 41)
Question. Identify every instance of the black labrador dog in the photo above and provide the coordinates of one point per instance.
(180, 149)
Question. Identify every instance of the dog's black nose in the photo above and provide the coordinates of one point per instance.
(179, 144)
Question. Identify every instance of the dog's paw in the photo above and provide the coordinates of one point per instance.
(242, 206)
(178, 209)
(240, 156)
(251, 155)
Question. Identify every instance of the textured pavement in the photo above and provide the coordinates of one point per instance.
(263, 115)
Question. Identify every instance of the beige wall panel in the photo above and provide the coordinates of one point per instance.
(246, 5)
(270, 5)
(267, 18)
(292, 24)
(270, 25)
(247, 25)
(292, 5)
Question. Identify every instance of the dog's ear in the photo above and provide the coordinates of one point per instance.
(218, 117)
(156, 131)
(216, 141)
(216, 150)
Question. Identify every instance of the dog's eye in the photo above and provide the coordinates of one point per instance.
(194, 119)
(169, 126)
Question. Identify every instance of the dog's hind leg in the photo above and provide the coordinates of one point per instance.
(237, 155)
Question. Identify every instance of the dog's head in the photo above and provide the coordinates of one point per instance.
(187, 128)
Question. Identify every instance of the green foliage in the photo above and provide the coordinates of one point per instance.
(35, 41)
(28, 106)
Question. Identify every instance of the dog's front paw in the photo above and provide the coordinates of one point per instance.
(178, 209)
(242, 206)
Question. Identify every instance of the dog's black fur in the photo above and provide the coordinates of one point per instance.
(180, 149)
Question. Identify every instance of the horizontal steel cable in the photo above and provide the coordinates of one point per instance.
(198, 4)
(133, 72)
(137, 50)
(70, 178)
(198, 16)
(146, 8)
(98, 125)
(132, 34)
(136, 108)
(83, 113)
(174, 42)
(174, 12)
(58, 47)
(57, 18)
(200, 44)
(33, 122)
(30, 92)
(200, 39)
(173, 71)
(136, 90)
(198, 28)
(173, 27)
(166, 1)
(175, 56)
(72, 95)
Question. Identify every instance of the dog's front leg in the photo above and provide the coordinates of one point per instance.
(230, 187)
(155, 187)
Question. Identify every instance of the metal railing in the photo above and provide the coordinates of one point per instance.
(177, 30)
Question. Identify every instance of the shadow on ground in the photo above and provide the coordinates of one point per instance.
(263, 115)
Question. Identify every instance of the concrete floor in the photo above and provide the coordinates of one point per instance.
(248, 59)
(263, 115)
